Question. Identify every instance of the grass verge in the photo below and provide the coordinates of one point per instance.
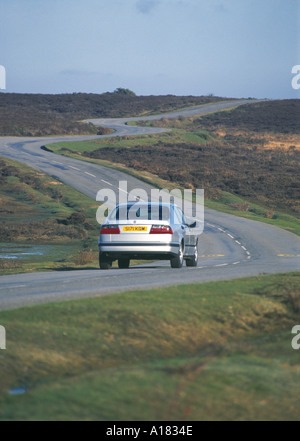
(214, 351)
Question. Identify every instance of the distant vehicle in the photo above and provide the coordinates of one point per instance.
(147, 231)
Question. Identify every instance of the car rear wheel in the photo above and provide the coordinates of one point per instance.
(193, 261)
(123, 263)
(177, 262)
(104, 262)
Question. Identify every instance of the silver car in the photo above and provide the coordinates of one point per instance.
(147, 231)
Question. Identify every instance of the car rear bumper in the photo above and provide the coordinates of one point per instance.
(139, 250)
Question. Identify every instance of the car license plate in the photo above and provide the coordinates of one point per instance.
(138, 229)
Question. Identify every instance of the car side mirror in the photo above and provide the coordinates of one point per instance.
(193, 225)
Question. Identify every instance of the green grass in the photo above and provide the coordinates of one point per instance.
(48, 194)
(78, 147)
(214, 351)
(229, 203)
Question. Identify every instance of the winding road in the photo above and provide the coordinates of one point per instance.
(230, 247)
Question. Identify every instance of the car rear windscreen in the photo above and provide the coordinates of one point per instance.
(141, 212)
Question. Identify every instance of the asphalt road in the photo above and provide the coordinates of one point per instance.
(230, 247)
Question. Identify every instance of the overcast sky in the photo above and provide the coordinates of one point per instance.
(233, 48)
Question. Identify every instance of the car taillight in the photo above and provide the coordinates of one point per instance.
(161, 229)
(110, 229)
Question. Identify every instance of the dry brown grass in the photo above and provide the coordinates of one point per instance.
(266, 141)
(84, 257)
(9, 264)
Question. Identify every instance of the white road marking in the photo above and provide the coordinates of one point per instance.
(211, 255)
(13, 287)
(105, 182)
(74, 168)
(90, 174)
(236, 241)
